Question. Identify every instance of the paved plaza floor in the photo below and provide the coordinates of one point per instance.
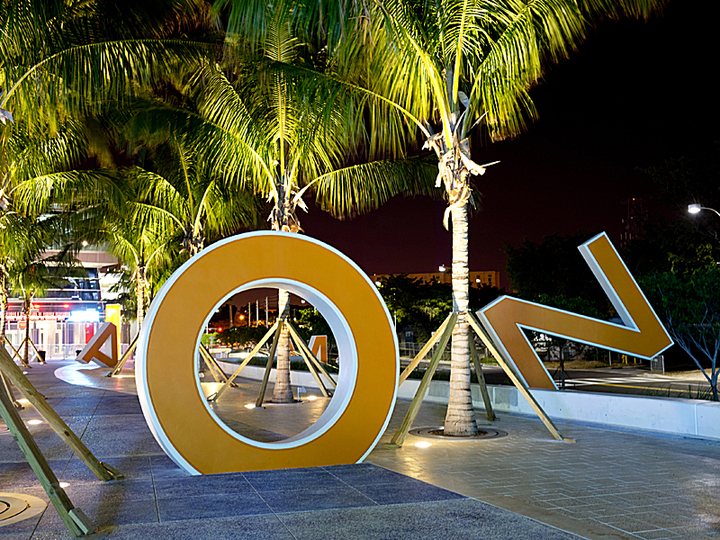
(610, 484)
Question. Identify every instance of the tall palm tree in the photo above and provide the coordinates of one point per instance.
(451, 64)
(444, 67)
(21, 243)
(178, 192)
(258, 133)
(31, 274)
(295, 146)
(60, 57)
(145, 253)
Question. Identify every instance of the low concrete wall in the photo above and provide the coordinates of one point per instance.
(299, 378)
(692, 417)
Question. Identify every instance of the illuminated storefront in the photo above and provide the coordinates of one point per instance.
(64, 319)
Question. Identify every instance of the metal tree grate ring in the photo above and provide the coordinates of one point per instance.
(438, 433)
(16, 507)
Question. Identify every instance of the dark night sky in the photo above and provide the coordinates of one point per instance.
(635, 94)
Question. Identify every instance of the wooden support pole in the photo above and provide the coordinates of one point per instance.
(481, 380)
(314, 372)
(418, 358)
(253, 352)
(37, 353)
(311, 368)
(16, 353)
(310, 355)
(124, 358)
(211, 360)
(516, 380)
(8, 389)
(102, 470)
(209, 364)
(268, 366)
(399, 437)
(76, 522)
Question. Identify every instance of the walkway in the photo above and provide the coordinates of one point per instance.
(610, 484)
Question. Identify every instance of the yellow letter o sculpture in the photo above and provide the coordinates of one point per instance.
(166, 367)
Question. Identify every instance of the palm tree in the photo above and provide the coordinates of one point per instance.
(447, 66)
(178, 193)
(58, 58)
(295, 145)
(145, 253)
(258, 133)
(452, 64)
(30, 273)
(21, 242)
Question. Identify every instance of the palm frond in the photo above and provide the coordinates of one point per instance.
(360, 188)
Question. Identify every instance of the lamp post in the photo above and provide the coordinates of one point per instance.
(695, 208)
(443, 273)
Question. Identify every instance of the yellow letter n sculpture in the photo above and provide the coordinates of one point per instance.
(641, 334)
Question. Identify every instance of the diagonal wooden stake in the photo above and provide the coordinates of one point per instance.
(125, 357)
(481, 380)
(418, 358)
(76, 522)
(212, 364)
(209, 364)
(519, 384)
(253, 352)
(8, 389)
(37, 353)
(308, 353)
(399, 437)
(102, 470)
(16, 353)
(268, 366)
(311, 367)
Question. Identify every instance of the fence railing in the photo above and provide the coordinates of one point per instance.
(411, 349)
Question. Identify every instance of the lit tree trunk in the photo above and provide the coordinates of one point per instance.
(27, 304)
(3, 309)
(460, 419)
(283, 390)
(282, 218)
(140, 294)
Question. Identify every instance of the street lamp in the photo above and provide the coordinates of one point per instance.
(696, 208)
(443, 273)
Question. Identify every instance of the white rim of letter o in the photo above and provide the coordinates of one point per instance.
(166, 371)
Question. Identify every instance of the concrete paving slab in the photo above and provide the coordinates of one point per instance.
(611, 484)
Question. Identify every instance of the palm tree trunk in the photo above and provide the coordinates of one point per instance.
(140, 294)
(3, 311)
(460, 419)
(283, 391)
(27, 303)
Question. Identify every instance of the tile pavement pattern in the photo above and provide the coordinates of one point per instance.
(611, 484)
(156, 500)
(623, 484)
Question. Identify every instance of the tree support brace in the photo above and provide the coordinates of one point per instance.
(102, 470)
(124, 358)
(75, 520)
(443, 335)
(255, 350)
